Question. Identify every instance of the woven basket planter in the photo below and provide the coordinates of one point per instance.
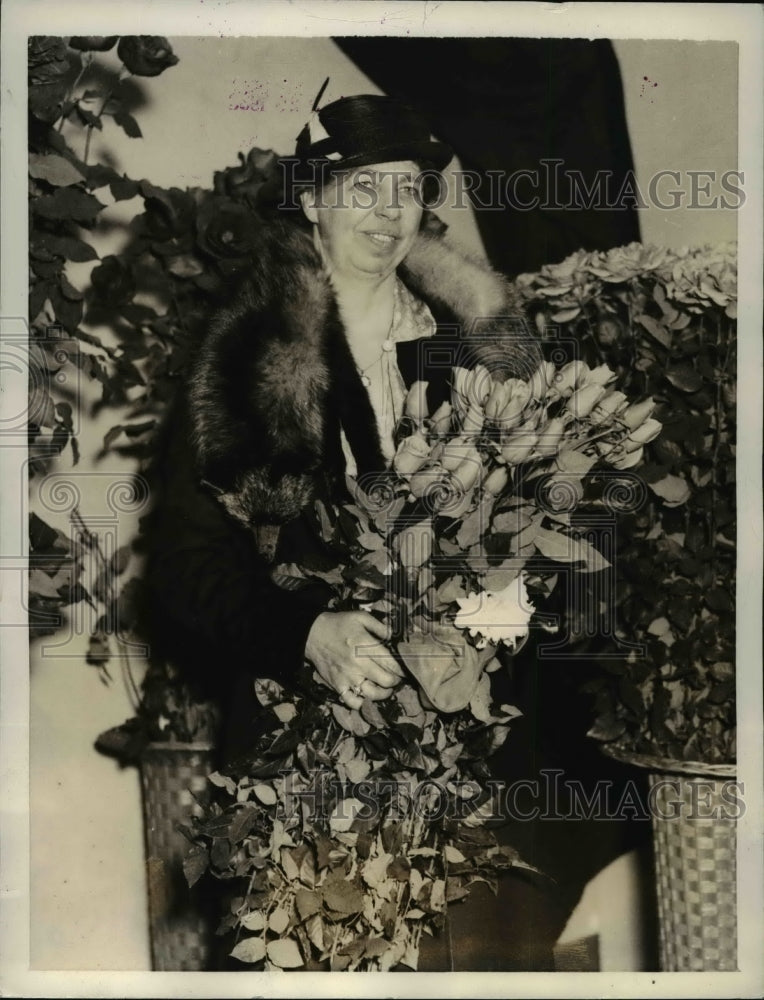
(695, 847)
(181, 924)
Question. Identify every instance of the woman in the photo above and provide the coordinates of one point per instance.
(299, 380)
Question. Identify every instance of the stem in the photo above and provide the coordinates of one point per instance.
(89, 133)
(83, 68)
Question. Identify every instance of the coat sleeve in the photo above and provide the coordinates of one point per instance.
(212, 606)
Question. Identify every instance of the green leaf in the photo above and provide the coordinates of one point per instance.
(342, 897)
(564, 548)
(399, 869)
(68, 203)
(242, 823)
(350, 720)
(54, 169)
(278, 920)
(266, 794)
(369, 540)
(474, 524)
(253, 921)
(719, 600)
(308, 902)
(685, 378)
(252, 949)
(575, 462)
(673, 490)
(655, 328)
(195, 863)
(128, 124)
(66, 246)
(268, 692)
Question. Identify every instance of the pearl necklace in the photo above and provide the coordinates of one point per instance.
(387, 346)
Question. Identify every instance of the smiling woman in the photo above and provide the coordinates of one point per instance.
(299, 382)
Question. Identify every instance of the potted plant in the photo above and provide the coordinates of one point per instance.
(665, 695)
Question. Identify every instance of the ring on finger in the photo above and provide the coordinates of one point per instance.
(357, 689)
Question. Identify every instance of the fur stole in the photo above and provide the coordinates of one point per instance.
(274, 379)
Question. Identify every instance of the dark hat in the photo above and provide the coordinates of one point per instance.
(366, 128)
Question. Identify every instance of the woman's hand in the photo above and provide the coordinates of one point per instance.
(344, 648)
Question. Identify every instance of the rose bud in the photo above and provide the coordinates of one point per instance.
(454, 453)
(637, 413)
(496, 481)
(610, 403)
(646, 432)
(469, 471)
(440, 421)
(549, 438)
(600, 375)
(146, 55)
(473, 421)
(519, 447)
(583, 400)
(542, 380)
(459, 397)
(569, 376)
(628, 461)
(479, 385)
(416, 402)
(411, 455)
(519, 396)
(497, 400)
(425, 479)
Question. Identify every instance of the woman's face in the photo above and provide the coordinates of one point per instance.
(368, 218)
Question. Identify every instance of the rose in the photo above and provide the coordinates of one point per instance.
(643, 434)
(600, 375)
(412, 453)
(146, 55)
(473, 421)
(440, 421)
(496, 481)
(427, 481)
(224, 231)
(518, 397)
(416, 402)
(454, 452)
(113, 281)
(583, 400)
(93, 43)
(248, 181)
(637, 413)
(471, 387)
(518, 447)
(541, 380)
(569, 376)
(469, 470)
(169, 214)
(497, 400)
(549, 438)
(607, 406)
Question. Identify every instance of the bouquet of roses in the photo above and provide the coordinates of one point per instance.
(348, 832)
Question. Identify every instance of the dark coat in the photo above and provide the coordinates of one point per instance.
(255, 436)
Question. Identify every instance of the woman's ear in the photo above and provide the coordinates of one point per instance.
(308, 202)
